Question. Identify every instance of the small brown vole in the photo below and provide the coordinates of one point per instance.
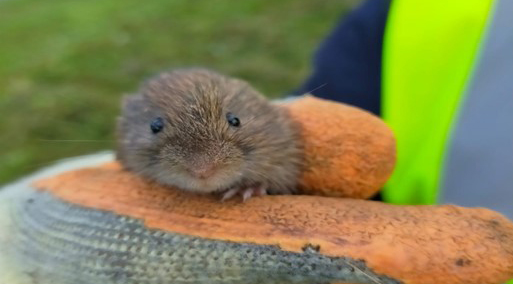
(202, 131)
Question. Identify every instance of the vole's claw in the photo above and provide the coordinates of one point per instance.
(253, 191)
(247, 193)
(230, 193)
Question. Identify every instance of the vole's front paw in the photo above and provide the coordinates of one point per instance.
(245, 192)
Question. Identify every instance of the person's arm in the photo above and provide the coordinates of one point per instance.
(347, 65)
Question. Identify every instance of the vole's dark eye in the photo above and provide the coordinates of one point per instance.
(157, 124)
(232, 119)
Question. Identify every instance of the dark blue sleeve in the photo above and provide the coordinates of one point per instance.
(348, 63)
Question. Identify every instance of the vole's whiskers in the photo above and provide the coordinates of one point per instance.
(315, 89)
(75, 140)
(39, 165)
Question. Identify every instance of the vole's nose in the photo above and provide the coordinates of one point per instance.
(201, 171)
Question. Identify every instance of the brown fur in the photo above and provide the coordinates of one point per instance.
(264, 150)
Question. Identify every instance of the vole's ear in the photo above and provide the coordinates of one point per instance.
(136, 109)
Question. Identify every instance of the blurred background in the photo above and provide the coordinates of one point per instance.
(65, 64)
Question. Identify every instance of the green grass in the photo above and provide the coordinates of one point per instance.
(64, 64)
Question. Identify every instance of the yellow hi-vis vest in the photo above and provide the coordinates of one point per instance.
(446, 94)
